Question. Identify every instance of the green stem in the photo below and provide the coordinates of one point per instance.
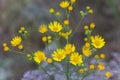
(77, 27)
(67, 72)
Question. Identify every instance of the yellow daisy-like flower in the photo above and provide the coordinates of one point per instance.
(51, 10)
(92, 66)
(16, 41)
(69, 48)
(6, 48)
(76, 59)
(86, 51)
(108, 74)
(102, 56)
(98, 41)
(92, 25)
(20, 46)
(66, 22)
(49, 60)
(70, 8)
(65, 34)
(64, 4)
(101, 66)
(59, 55)
(42, 28)
(55, 26)
(39, 56)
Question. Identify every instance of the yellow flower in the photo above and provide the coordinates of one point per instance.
(20, 46)
(59, 55)
(86, 51)
(73, 1)
(76, 59)
(102, 56)
(70, 8)
(91, 11)
(55, 26)
(64, 4)
(66, 22)
(29, 56)
(96, 57)
(65, 34)
(51, 10)
(49, 37)
(42, 28)
(87, 7)
(69, 48)
(49, 60)
(87, 44)
(86, 27)
(92, 66)
(44, 38)
(21, 29)
(92, 25)
(4, 44)
(85, 39)
(98, 41)
(6, 49)
(16, 41)
(39, 56)
(101, 66)
(108, 74)
(57, 13)
(81, 71)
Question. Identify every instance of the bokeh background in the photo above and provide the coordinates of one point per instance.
(32, 13)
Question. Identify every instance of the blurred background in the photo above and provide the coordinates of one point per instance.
(32, 13)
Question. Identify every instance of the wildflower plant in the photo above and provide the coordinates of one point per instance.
(66, 55)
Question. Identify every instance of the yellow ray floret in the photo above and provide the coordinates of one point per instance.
(98, 41)
(76, 59)
(55, 26)
(39, 56)
(58, 55)
(64, 4)
(16, 41)
(69, 48)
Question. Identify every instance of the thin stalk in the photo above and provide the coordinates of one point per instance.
(77, 27)
(67, 72)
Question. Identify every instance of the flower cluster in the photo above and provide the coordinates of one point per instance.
(66, 53)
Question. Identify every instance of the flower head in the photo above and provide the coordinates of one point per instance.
(66, 22)
(98, 41)
(76, 59)
(65, 34)
(55, 26)
(92, 66)
(108, 74)
(49, 60)
(16, 41)
(59, 55)
(39, 56)
(64, 4)
(101, 66)
(86, 51)
(51, 10)
(69, 48)
(42, 28)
